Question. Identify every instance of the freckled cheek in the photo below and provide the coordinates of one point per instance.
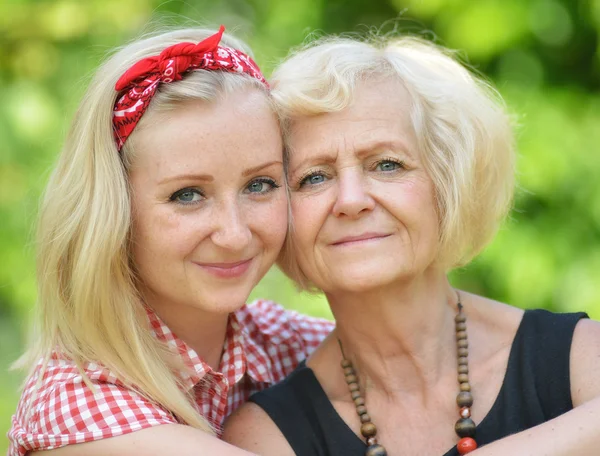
(167, 234)
(270, 219)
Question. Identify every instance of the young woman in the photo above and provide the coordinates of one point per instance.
(165, 209)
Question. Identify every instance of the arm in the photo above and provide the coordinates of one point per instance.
(574, 433)
(251, 428)
(577, 431)
(156, 441)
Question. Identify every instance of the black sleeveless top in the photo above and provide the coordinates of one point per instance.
(536, 388)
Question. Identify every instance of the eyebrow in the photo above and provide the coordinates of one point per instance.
(258, 168)
(396, 145)
(194, 177)
(321, 159)
(209, 178)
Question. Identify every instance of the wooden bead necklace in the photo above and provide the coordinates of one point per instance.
(464, 427)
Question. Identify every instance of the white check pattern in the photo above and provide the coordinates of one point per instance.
(263, 344)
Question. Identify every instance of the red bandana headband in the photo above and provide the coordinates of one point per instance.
(140, 82)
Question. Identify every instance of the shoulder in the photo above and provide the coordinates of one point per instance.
(58, 408)
(585, 362)
(563, 352)
(270, 321)
(251, 428)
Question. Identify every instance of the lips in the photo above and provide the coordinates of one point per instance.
(226, 270)
(361, 238)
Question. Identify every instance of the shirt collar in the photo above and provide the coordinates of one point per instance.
(241, 352)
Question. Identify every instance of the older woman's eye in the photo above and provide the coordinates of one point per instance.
(313, 179)
(389, 165)
(187, 196)
(262, 185)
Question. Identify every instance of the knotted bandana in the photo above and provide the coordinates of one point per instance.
(140, 82)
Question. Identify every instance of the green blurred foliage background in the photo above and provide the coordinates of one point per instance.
(543, 55)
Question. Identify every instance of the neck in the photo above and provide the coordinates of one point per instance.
(202, 331)
(400, 338)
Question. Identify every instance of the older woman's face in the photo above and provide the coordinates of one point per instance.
(210, 209)
(363, 205)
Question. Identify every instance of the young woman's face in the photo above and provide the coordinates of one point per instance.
(209, 203)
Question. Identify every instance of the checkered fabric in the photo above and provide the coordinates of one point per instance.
(263, 344)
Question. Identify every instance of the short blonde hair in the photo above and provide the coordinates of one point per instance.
(89, 307)
(463, 130)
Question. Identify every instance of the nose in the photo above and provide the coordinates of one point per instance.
(231, 230)
(353, 198)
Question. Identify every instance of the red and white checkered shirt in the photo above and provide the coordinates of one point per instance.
(263, 344)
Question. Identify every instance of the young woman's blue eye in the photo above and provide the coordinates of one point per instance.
(388, 165)
(262, 185)
(315, 178)
(186, 196)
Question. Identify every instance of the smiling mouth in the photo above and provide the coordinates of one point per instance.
(226, 270)
(361, 239)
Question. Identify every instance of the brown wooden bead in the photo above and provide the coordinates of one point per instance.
(359, 401)
(365, 418)
(349, 371)
(351, 378)
(465, 427)
(376, 450)
(464, 399)
(355, 394)
(361, 409)
(466, 387)
(461, 335)
(463, 378)
(346, 363)
(463, 361)
(463, 369)
(353, 387)
(460, 318)
(462, 351)
(461, 326)
(463, 343)
(368, 430)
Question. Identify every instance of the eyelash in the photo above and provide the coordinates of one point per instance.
(400, 163)
(305, 177)
(265, 180)
(174, 196)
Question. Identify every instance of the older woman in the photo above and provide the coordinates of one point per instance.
(401, 168)
(165, 209)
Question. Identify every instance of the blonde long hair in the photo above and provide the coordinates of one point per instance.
(89, 309)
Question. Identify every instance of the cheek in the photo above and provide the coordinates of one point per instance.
(418, 203)
(159, 232)
(270, 220)
(309, 215)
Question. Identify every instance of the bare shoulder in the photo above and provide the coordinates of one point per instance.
(497, 320)
(585, 362)
(155, 441)
(250, 427)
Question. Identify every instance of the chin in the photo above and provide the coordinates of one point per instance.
(369, 279)
(223, 300)
(226, 305)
